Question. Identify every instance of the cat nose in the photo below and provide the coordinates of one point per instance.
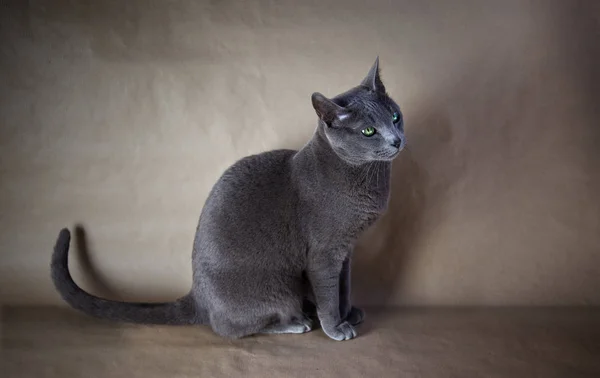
(396, 142)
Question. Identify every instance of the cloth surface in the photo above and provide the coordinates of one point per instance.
(120, 116)
(424, 343)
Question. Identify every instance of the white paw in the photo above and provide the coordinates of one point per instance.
(341, 332)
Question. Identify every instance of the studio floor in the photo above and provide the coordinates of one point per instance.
(45, 342)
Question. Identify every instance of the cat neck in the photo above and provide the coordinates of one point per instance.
(319, 160)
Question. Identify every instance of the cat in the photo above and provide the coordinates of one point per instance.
(276, 233)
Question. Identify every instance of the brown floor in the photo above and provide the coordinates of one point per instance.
(52, 342)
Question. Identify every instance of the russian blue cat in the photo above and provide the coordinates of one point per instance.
(276, 233)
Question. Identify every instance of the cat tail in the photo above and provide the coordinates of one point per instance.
(183, 311)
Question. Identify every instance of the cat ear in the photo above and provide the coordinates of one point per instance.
(373, 80)
(327, 110)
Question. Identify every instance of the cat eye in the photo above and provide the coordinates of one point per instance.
(396, 117)
(369, 131)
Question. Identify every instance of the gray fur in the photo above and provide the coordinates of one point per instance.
(277, 230)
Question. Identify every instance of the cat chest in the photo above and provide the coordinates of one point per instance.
(357, 212)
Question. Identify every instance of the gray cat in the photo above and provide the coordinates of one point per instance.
(276, 233)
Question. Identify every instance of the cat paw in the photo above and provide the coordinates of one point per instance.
(340, 332)
(306, 323)
(355, 316)
(297, 326)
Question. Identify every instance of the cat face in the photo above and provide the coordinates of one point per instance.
(363, 124)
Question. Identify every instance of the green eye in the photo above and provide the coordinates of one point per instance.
(369, 131)
(395, 117)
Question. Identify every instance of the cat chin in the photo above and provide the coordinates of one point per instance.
(395, 154)
(389, 157)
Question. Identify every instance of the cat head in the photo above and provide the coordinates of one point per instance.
(363, 124)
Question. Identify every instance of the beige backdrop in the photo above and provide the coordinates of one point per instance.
(120, 115)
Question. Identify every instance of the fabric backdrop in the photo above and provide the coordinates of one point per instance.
(118, 116)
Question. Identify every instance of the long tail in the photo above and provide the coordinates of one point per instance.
(182, 311)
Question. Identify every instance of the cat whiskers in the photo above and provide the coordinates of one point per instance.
(374, 169)
(363, 177)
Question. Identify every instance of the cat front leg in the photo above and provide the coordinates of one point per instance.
(353, 315)
(345, 303)
(324, 276)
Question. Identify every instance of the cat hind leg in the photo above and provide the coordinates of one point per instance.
(223, 326)
(298, 325)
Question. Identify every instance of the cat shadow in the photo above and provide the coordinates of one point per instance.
(587, 55)
(49, 326)
(382, 256)
(93, 278)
